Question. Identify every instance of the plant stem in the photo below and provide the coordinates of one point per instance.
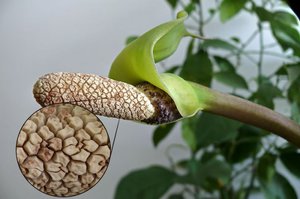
(239, 172)
(169, 156)
(197, 192)
(182, 4)
(249, 40)
(271, 45)
(211, 16)
(270, 53)
(248, 112)
(201, 20)
(252, 178)
(240, 52)
(261, 53)
(188, 190)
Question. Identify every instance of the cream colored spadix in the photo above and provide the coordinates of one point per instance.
(107, 97)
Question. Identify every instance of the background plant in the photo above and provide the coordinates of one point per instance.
(229, 159)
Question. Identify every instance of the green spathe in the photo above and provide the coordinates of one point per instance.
(136, 64)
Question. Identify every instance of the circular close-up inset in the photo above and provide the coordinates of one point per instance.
(63, 150)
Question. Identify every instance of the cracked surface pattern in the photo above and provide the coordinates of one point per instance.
(100, 95)
(63, 150)
(165, 108)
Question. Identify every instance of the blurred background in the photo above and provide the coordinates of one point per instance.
(39, 37)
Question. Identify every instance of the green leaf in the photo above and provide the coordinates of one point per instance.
(197, 68)
(235, 39)
(278, 188)
(192, 166)
(149, 183)
(188, 129)
(224, 64)
(231, 79)
(182, 164)
(273, 184)
(266, 168)
(295, 109)
(211, 11)
(293, 71)
(211, 175)
(291, 162)
(161, 132)
(176, 196)
(241, 193)
(213, 129)
(230, 8)
(219, 44)
(173, 69)
(290, 70)
(287, 148)
(284, 26)
(190, 47)
(215, 174)
(244, 146)
(266, 94)
(207, 156)
(263, 14)
(131, 39)
(190, 7)
(293, 91)
(286, 17)
(172, 3)
(281, 16)
(281, 71)
(287, 36)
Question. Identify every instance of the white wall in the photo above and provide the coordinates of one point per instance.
(42, 36)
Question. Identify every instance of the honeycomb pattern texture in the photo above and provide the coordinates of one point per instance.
(63, 150)
(107, 97)
(100, 95)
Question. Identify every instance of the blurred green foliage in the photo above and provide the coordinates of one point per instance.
(229, 159)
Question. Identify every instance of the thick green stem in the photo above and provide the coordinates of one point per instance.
(253, 114)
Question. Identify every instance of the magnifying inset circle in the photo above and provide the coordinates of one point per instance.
(63, 150)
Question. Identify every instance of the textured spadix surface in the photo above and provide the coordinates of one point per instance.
(63, 150)
(107, 97)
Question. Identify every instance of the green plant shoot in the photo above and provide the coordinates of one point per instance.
(136, 64)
